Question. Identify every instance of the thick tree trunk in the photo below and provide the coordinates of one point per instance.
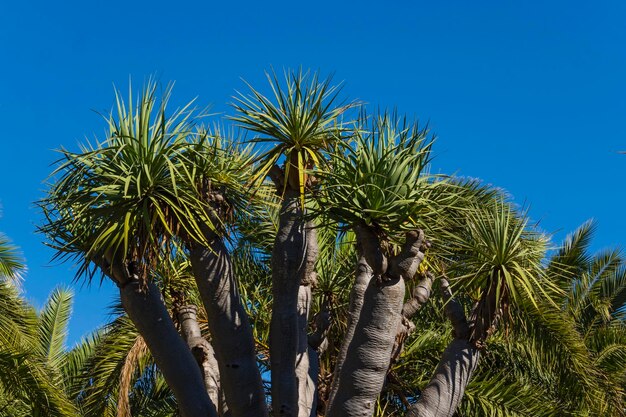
(229, 326)
(367, 351)
(202, 351)
(147, 311)
(368, 247)
(364, 275)
(444, 392)
(288, 269)
(365, 367)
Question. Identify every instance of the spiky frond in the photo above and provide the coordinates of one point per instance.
(498, 258)
(122, 198)
(301, 120)
(53, 321)
(11, 262)
(379, 181)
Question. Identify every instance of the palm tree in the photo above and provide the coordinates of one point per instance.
(30, 346)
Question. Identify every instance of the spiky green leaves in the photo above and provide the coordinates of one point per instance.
(378, 180)
(498, 258)
(11, 262)
(301, 121)
(155, 177)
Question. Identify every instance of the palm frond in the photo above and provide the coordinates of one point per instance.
(53, 328)
(121, 197)
(11, 262)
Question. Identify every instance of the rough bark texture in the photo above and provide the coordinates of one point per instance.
(288, 269)
(357, 294)
(419, 296)
(202, 351)
(228, 323)
(364, 369)
(442, 395)
(307, 385)
(374, 319)
(147, 311)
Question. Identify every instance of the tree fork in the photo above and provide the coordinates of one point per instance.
(362, 374)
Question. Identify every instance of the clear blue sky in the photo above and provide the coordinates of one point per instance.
(528, 96)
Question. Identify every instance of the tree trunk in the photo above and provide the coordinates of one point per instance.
(363, 372)
(368, 247)
(202, 351)
(307, 384)
(288, 269)
(444, 392)
(360, 376)
(229, 326)
(147, 311)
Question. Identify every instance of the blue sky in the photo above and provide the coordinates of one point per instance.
(528, 96)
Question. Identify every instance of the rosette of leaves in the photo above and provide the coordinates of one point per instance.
(378, 180)
(299, 121)
(497, 258)
(125, 198)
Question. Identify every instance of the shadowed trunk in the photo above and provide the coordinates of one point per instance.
(318, 343)
(307, 384)
(229, 326)
(170, 352)
(288, 269)
(203, 353)
(361, 374)
(419, 296)
(442, 395)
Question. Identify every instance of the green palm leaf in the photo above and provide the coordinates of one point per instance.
(53, 327)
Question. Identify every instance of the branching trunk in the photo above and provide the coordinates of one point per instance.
(203, 353)
(361, 373)
(148, 313)
(288, 269)
(228, 323)
(420, 295)
(442, 395)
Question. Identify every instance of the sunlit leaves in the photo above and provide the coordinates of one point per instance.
(378, 180)
(301, 121)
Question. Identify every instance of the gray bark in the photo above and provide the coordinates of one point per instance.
(419, 296)
(307, 384)
(228, 323)
(374, 319)
(203, 353)
(147, 311)
(371, 263)
(288, 270)
(442, 395)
